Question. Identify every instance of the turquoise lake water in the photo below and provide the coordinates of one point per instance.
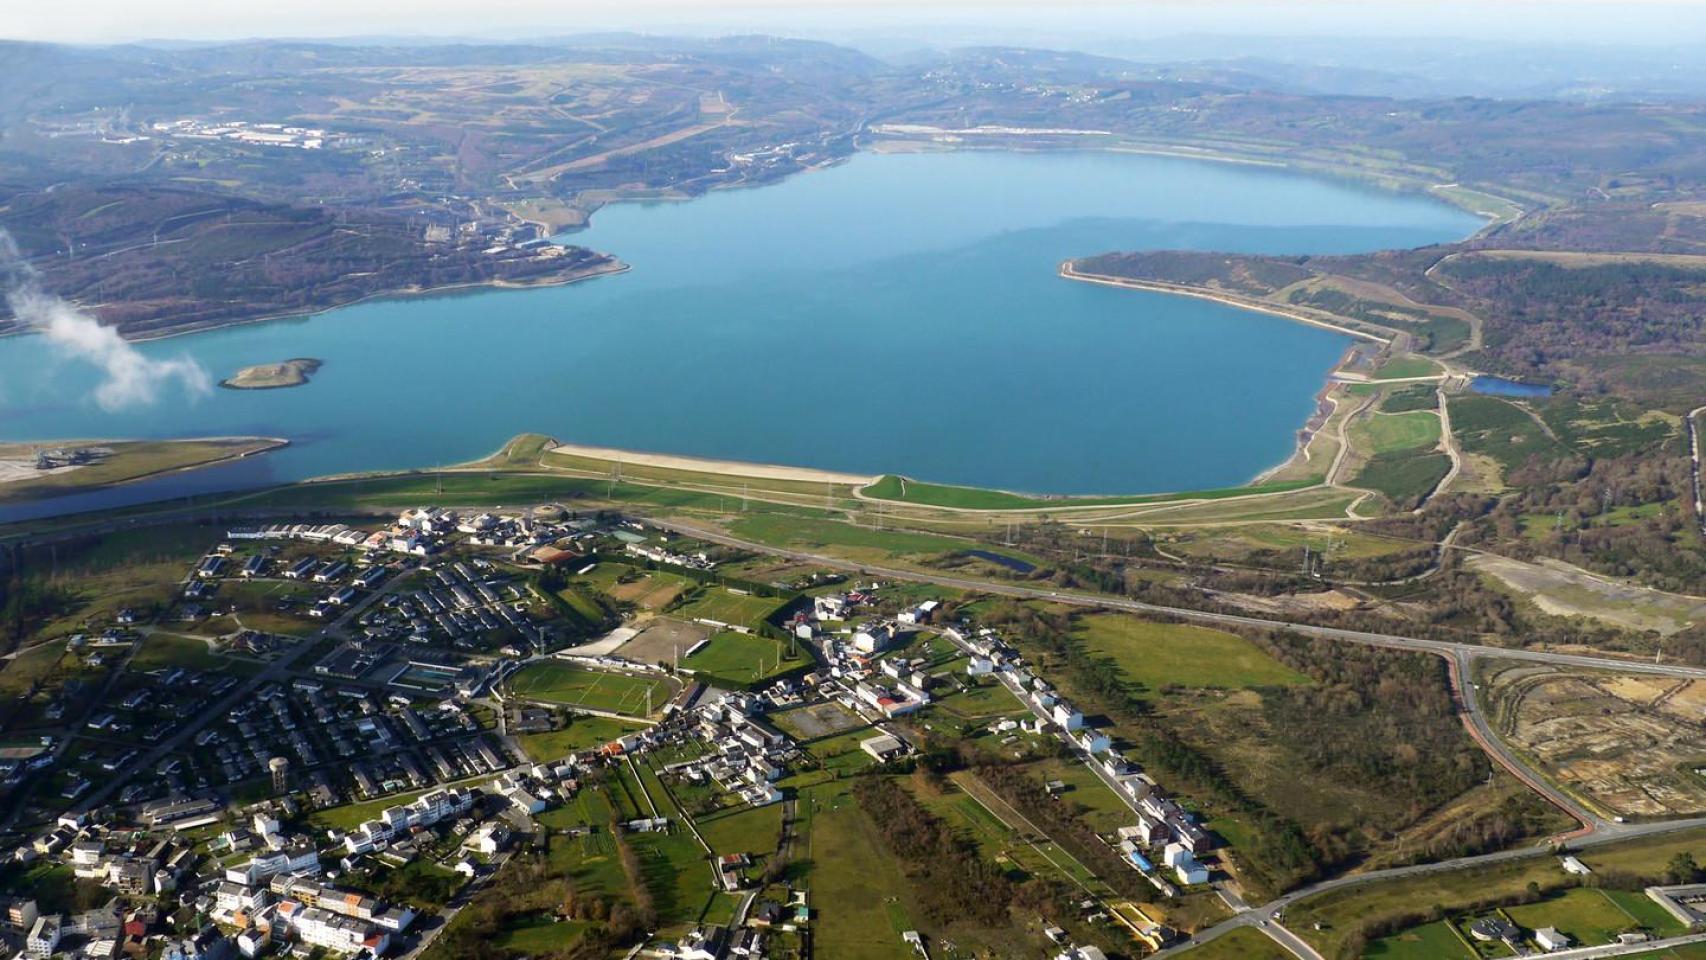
(895, 313)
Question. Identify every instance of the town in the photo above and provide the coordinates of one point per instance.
(332, 736)
(360, 737)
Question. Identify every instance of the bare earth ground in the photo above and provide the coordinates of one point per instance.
(24, 468)
(1562, 590)
(818, 720)
(662, 640)
(1631, 744)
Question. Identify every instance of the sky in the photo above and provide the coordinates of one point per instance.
(944, 22)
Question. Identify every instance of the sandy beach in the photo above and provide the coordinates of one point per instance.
(734, 468)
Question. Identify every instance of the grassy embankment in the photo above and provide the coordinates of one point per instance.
(129, 460)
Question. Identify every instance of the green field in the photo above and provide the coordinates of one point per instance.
(590, 860)
(852, 880)
(1641, 909)
(1399, 368)
(555, 681)
(1158, 655)
(1589, 917)
(1240, 944)
(539, 934)
(1403, 477)
(1433, 941)
(582, 733)
(728, 607)
(752, 830)
(743, 658)
(1415, 396)
(162, 650)
(788, 531)
(1392, 432)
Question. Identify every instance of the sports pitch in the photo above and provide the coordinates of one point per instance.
(554, 681)
(725, 606)
(741, 658)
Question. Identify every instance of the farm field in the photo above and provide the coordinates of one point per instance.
(850, 871)
(1159, 654)
(556, 681)
(746, 829)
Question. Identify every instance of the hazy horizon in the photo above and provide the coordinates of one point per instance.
(1086, 24)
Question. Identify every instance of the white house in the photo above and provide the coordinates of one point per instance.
(873, 637)
(1067, 716)
(1550, 939)
(1094, 741)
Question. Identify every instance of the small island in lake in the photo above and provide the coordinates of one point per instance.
(271, 376)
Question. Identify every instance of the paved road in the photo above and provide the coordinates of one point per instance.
(275, 671)
(1459, 655)
(1475, 720)
(1439, 647)
(1253, 918)
(1443, 648)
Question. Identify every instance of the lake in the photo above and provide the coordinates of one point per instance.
(895, 313)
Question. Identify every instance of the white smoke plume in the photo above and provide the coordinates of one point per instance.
(129, 379)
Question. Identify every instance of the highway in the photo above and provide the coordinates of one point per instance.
(1596, 830)
(1442, 648)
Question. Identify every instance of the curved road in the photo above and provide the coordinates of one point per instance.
(1596, 830)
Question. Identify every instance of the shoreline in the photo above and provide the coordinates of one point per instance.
(305, 368)
(1069, 272)
(265, 445)
(1304, 436)
(409, 293)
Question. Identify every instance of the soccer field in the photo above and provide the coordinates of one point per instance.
(741, 658)
(554, 681)
(735, 609)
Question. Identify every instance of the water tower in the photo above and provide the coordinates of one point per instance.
(280, 768)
